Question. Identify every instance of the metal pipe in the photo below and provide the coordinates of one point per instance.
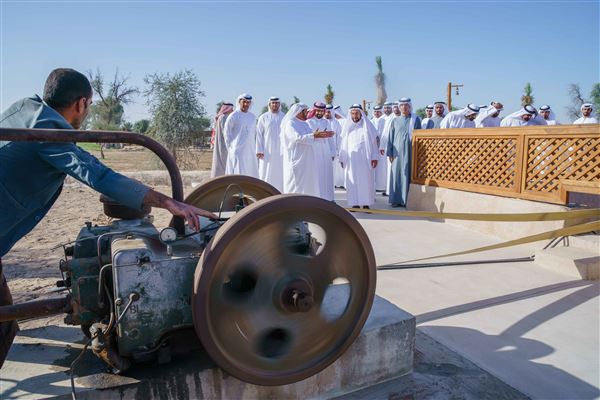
(72, 135)
(36, 308)
(448, 264)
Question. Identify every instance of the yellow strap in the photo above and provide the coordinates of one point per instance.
(571, 230)
(518, 217)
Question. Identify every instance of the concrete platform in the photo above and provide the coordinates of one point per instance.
(570, 261)
(37, 367)
(534, 329)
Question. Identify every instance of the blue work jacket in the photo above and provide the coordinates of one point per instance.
(32, 173)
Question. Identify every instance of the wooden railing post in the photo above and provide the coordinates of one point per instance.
(521, 161)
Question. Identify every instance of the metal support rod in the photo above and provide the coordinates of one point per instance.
(36, 308)
(72, 135)
(447, 264)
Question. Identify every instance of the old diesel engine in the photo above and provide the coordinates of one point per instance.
(274, 290)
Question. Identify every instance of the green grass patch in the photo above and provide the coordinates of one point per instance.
(89, 146)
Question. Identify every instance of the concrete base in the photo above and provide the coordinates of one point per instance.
(431, 198)
(37, 367)
(588, 242)
(570, 261)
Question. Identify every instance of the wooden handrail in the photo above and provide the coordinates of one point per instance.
(522, 162)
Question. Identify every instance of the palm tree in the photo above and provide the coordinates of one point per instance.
(329, 95)
(380, 82)
(527, 97)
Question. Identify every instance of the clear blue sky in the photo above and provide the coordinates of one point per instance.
(297, 48)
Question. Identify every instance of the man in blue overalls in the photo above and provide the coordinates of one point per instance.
(32, 173)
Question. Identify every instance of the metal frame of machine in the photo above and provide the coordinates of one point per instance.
(275, 290)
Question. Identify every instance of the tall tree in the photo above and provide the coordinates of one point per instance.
(175, 106)
(595, 99)
(380, 82)
(577, 99)
(141, 126)
(296, 100)
(127, 126)
(107, 111)
(527, 97)
(329, 95)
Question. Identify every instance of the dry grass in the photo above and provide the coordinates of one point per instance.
(135, 158)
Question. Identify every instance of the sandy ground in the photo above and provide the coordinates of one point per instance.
(31, 267)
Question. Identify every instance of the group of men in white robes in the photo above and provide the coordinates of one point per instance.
(311, 151)
(488, 116)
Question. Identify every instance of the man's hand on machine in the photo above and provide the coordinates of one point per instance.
(177, 208)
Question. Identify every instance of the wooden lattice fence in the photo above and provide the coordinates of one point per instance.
(525, 162)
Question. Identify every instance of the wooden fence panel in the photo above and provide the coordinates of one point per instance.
(524, 162)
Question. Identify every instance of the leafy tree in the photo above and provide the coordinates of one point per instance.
(127, 126)
(527, 97)
(141, 126)
(175, 106)
(329, 95)
(380, 82)
(107, 112)
(296, 100)
(577, 99)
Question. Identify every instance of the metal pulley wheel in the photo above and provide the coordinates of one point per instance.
(283, 289)
(209, 195)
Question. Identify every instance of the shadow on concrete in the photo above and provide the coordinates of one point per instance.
(508, 298)
(552, 310)
(60, 333)
(509, 355)
(512, 360)
(91, 371)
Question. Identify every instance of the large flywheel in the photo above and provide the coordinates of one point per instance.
(211, 194)
(283, 289)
